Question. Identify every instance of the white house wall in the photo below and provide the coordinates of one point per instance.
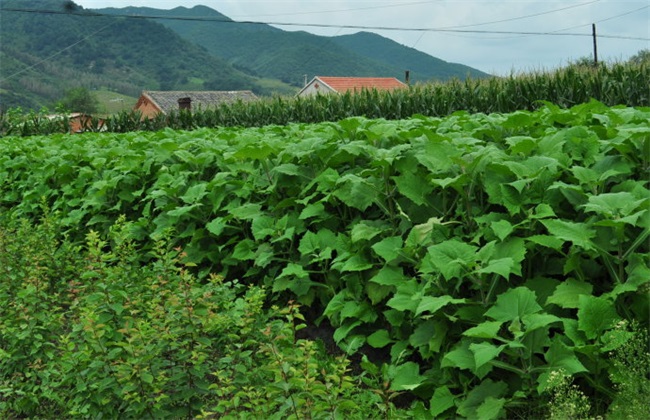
(314, 87)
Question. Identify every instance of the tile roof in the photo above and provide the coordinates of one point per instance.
(168, 100)
(343, 84)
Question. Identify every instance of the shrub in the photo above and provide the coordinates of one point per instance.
(90, 332)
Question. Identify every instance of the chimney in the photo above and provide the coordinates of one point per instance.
(185, 103)
(407, 77)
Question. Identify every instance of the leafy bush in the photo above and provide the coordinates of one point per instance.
(631, 374)
(89, 332)
(15, 122)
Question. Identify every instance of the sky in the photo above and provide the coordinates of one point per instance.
(497, 37)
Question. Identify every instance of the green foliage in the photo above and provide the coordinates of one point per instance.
(79, 99)
(89, 331)
(641, 57)
(631, 373)
(568, 401)
(15, 122)
(612, 85)
(474, 254)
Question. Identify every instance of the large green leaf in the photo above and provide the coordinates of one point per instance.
(638, 274)
(559, 357)
(437, 155)
(379, 339)
(413, 187)
(578, 233)
(491, 408)
(546, 241)
(501, 266)
(502, 228)
(180, 211)
(514, 304)
(535, 321)
(317, 246)
(356, 191)
(247, 211)
(615, 205)
(404, 301)
(216, 226)
(356, 262)
(452, 257)
(441, 401)
(244, 250)
(365, 230)
(462, 357)
(389, 276)
(487, 329)
(263, 227)
(344, 330)
(485, 352)
(427, 333)
(567, 294)
(596, 315)
(433, 303)
(312, 210)
(484, 396)
(405, 377)
(389, 248)
(195, 193)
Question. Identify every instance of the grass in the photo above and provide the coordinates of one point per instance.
(111, 103)
(276, 87)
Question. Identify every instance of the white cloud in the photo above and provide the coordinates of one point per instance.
(490, 52)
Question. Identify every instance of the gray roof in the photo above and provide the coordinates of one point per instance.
(168, 100)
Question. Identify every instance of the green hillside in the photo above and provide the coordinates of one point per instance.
(263, 50)
(44, 54)
(421, 65)
(267, 51)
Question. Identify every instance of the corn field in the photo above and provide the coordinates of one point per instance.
(616, 84)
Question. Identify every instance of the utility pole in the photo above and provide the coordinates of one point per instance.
(593, 34)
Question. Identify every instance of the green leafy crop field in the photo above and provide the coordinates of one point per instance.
(467, 262)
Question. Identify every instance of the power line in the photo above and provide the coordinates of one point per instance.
(511, 19)
(521, 17)
(316, 25)
(56, 53)
(603, 20)
(622, 14)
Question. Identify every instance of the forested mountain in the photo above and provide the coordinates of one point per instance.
(50, 46)
(44, 54)
(265, 50)
(423, 67)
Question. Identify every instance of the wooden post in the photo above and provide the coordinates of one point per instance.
(593, 34)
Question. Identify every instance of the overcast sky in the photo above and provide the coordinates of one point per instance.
(497, 37)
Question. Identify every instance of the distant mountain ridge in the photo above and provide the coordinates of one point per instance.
(43, 54)
(265, 50)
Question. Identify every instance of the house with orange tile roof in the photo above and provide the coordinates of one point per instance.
(326, 84)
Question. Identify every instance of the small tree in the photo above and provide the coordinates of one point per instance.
(79, 99)
(583, 62)
(643, 56)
